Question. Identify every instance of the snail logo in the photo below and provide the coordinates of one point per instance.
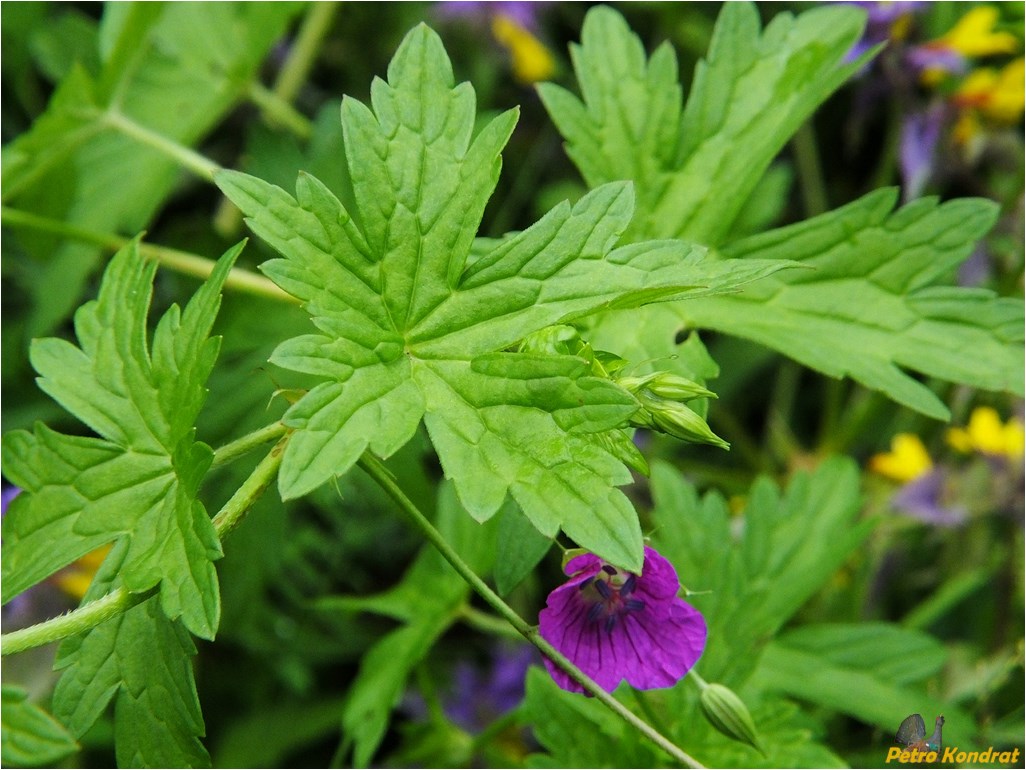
(912, 734)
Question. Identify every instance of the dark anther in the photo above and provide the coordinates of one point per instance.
(629, 585)
(603, 588)
(585, 584)
(608, 569)
(594, 612)
(634, 605)
(610, 624)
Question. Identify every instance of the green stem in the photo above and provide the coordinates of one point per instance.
(252, 489)
(304, 51)
(279, 112)
(183, 262)
(697, 678)
(380, 474)
(120, 599)
(76, 622)
(810, 172)
(239, 447)
(200, 165)
(490, 624)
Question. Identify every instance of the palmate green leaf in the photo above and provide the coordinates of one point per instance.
(138, 481)
(30, 737)
(174, 68)
(142, 661)
(693, 169)
(410, 329)
(878, 282)
(791, 544)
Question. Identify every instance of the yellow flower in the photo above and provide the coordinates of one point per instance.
(988, 435)
(907, 460)
(75, 579)
(532, 61)
(974, 34)
(998, 95)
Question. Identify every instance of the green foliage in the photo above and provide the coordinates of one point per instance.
(138, 483)
(791, 542)
(30, 736)
(691, 175)
(866, 670)
(143, 662)
(875, 272)
(427, 601)
(580, 732)
(873, 285)
(177, 67)
(410, 330)
(517, 366)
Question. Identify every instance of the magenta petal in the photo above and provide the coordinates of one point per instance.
(614, 626)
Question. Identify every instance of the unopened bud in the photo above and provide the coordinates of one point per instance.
(666, 385)
(728, 714)
(679, 421)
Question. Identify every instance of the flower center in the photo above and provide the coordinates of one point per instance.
(609, 594)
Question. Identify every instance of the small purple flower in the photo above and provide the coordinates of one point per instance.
(920, 136)
(523, 13)
(882, 20)
(923, 499)
(615, 625)
(7, 494)
(478, 698)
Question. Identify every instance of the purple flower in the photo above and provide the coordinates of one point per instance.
(884, 21)
(920, 136)
(923, 498)
(7, 494)
(615, 625)
(477, 699)
(523, 13)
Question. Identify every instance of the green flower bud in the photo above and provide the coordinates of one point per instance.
(677, 420)
(728, 714)
(666, 385)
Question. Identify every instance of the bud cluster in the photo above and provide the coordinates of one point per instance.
(661, 395)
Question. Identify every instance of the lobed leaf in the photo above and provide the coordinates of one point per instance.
(142, 661)
(753, 91)
(872, 287)
(414, 327)
(875, 285)
(792, 541)
(138, 482)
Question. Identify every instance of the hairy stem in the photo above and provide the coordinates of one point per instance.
(234, 449)
(380, 474)
(183, 262)
(121, 600)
